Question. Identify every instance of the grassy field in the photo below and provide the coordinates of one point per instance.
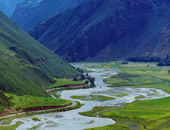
(140, 97)
(93, 98)
(139, 75)
(7, 122)
(147, 114)
(27, 101)
(26, 114)
(64, 82)
(120, 95)
(11, 127)
(116, 126)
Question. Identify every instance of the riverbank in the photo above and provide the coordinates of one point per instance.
(68, 107)
(28, 103)
(26, 114)
(147, 114)
(141, 76)
(95, 98)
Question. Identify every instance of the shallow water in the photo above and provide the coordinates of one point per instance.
(71, 120)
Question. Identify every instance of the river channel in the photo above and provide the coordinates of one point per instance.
(72, 120)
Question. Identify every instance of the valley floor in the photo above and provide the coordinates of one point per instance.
(139, 82)
(139, 115)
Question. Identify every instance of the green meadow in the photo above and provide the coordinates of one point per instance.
(27, 101)
(148, 114)
(139, 75)
(93, 98)
(65, 82)
(11, 127)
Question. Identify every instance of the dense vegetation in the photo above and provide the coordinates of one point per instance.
(26, 101)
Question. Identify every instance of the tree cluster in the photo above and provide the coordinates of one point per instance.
(165, 62)
(145, 59)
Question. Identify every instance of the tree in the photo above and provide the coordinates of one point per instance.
(80, 70)
(75, 79)
(92, 80)
(82, 77)
(86, 82)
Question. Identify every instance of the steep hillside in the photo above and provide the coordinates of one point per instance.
(8, 6)
(3, 99)
(25, 65)
(4, 102)
(103, 30)
(31, 12)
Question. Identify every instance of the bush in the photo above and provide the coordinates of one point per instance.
(86, 82)
(36, 119)
(82, 77)
(92, 80)
(75, 79)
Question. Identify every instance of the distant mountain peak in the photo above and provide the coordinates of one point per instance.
(29, 13)
(8, 6)
(25, 64)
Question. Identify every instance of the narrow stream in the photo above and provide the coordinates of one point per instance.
(71, 120)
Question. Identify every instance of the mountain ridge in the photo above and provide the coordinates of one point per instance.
(108, 30)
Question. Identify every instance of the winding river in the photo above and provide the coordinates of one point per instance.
(71, 120)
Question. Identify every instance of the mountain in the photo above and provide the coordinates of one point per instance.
(8, 6)
(104, 30)
(31, 12)
(26, 66)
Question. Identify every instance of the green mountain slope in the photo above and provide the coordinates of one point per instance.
(3, 101)
(25, 65)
